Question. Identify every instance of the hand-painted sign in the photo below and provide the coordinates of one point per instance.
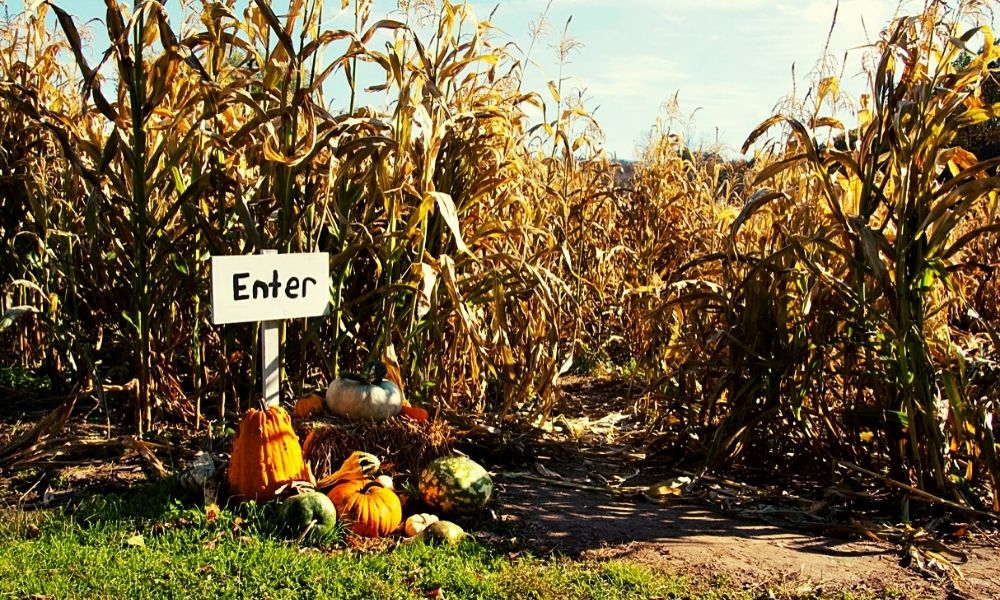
(267, 287)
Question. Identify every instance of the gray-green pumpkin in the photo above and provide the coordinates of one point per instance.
(360, 399)
(455, 485)
(312, 511)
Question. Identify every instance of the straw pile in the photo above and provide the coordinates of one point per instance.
(403, 445)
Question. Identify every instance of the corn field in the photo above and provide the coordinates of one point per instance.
(830, 300)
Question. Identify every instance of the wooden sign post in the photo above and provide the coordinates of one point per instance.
(269, 287)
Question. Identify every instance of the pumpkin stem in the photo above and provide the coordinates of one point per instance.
(370, 373)
(359, 377)
(370, 485)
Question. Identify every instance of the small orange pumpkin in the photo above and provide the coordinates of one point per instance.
(373, 509)
(308, 406)
(266, 455)
(414, 412)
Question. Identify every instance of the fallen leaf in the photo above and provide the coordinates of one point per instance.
(212, 512)
(670, 487)
(135, 540)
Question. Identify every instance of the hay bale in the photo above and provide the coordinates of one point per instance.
(403, 445)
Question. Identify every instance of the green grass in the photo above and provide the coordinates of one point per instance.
(148, 544)
(18, 378)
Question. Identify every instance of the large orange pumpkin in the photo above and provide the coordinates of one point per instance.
(266, 455)
(373, 509)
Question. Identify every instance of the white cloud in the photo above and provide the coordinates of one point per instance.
(634, 75)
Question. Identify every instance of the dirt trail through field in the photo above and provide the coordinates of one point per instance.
(545, 505)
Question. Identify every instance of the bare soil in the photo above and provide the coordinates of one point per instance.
(696, 541)
(704, 537)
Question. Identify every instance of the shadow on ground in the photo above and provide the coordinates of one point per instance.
(694, 538)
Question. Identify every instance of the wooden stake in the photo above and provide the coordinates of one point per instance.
(270, 359)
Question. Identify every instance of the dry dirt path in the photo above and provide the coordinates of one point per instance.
(695, 538)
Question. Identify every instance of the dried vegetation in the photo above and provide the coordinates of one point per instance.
(828, 303)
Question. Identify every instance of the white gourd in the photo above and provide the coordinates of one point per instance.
(418, 522)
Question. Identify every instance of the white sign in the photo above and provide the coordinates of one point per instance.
(268, 287)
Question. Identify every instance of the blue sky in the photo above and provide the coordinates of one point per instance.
(729, 61)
